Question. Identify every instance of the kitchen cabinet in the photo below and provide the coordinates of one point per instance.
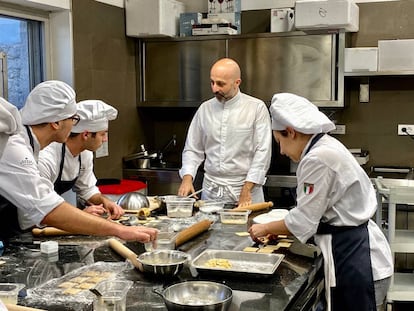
(398, 191)
(175, 72)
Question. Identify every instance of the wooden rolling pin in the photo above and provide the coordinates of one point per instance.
(49, 231)
(255, 207)
(11, 307)
(125, 252)
(192, 231)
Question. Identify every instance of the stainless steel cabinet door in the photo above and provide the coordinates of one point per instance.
(304, 65)
(179, 71)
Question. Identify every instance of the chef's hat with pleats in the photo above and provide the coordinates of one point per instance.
(48, 102)
(290, 110)
(10, 122)
(94, 116)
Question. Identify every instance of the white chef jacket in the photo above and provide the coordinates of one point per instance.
(49, 166)
(21, 183)
(333, 188)
(234, 138)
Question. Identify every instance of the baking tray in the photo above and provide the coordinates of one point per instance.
(243, 264)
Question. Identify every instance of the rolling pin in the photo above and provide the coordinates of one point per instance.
(255, 207)
(192, 231)
(11, 307)
(49, 231)
(125, 252)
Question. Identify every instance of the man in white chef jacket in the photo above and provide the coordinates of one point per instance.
(231, 133)
(335, 204)
(26, 198)
(69, 165)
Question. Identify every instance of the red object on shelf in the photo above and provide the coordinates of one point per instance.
(125, 186)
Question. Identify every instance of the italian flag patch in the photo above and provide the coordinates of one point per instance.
(307, 188)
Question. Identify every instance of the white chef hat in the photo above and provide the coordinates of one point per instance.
(49, 101)
(10, 122)
(299, 113)
(94, 116)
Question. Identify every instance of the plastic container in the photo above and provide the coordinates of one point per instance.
(165, 240)
(113, 295)
(9, 292)
(49, 247)
(179, 206)
(234, 218)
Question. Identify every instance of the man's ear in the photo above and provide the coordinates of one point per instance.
(291, 132)
(55, 125)
(85, 134)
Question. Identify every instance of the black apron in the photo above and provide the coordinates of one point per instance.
(353, 271)
(61, 186)
(9, 222)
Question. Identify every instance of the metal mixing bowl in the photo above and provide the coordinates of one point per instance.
(163, 262)
(133, 200)
(197, 295)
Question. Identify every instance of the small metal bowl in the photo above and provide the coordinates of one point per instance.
(167, 263)
(133, 200)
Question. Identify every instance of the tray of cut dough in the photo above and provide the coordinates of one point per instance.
(74, 286)
(237, 263)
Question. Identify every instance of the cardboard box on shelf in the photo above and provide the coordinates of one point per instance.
(187, 20)
(214, 29)
(225, 18)
(282, 20)
(361, 59)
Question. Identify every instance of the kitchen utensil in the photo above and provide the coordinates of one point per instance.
(255, 207)
(133, 200)
(195, 193)
(113, 297)
(197, 295)
(234, 217)
(242, 264)
(192, 231)
(125, 252)
(179, 206)
(167, 263)
(49, 231)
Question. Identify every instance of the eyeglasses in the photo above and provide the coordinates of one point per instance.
(75, 119)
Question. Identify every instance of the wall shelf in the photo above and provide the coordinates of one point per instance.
(378, 73)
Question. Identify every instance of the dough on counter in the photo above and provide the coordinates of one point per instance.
(72, 291)
(91, 273)
(67, 284)
(265, 250)
(78, 279)
(86, 285)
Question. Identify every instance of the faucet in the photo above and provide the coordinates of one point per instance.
(172, 142)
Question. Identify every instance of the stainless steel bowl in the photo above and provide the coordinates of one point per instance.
(133, 200)
(163, 262)
(197, 295)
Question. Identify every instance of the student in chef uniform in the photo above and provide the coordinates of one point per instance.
(70, 165)
(230, 132)
(26, 198)
(335, 203)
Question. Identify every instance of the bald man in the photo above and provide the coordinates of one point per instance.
(231, 133)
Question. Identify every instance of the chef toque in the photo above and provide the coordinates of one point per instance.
(94, 116)
(290, 110)
(10, 122)
(48, 102)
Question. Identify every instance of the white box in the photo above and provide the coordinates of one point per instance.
(282, 20)
(214, 6)
(187, 20)
(225, 18)
(147, 18)
(395, 55)
(214, 29)
(361, 59)
(328, 14)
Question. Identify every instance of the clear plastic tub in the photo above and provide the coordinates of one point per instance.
(10, 291)
(165, 240)
(234, 218)
(179, 206)
(113, 295)
(211, 206)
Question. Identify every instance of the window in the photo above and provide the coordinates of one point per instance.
(21, 57)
